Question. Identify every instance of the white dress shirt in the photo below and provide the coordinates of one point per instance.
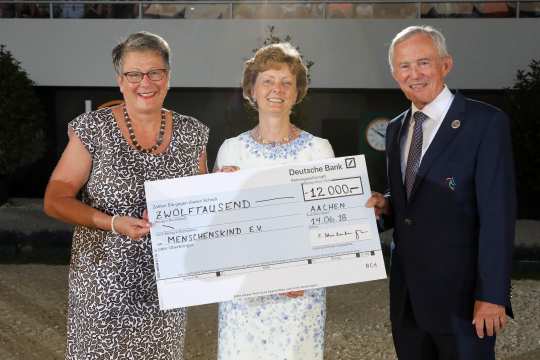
(436, 111)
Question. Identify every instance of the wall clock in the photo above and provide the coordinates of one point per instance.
(376, 133)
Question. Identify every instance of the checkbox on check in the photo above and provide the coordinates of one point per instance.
(350, 163)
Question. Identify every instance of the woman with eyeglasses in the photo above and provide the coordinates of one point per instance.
(113, 310)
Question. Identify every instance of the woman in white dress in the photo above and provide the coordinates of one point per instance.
(291, 325)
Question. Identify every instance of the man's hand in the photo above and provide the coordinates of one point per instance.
(379, 203)
(490, 316)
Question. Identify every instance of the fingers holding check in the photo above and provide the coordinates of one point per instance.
(294, 294)
(379, 203)
(145, 215)
(227, 168)
(489, 317)
(132, 227)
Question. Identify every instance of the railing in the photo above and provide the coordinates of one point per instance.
(269, 9)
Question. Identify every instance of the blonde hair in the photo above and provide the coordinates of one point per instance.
(270, 57)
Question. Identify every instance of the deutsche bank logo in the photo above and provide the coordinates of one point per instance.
(350, 163)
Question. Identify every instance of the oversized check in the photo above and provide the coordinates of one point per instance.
(256, 232)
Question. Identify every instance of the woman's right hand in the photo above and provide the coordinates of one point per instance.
(131, 227)
(227, 168)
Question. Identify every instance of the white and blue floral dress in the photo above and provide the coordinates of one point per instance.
(274, 327)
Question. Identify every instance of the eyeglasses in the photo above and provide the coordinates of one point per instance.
(137, 76)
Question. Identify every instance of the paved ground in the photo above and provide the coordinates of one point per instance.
(33, 316)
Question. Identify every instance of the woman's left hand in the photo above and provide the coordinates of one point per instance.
(294, 294)
(132, 227)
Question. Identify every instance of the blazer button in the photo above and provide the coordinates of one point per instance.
(408, 221)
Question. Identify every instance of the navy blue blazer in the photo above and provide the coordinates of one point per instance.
(454, 236)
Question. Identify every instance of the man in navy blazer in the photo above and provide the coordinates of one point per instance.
(451, 201)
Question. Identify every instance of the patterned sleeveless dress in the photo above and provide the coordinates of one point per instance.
(113, 310)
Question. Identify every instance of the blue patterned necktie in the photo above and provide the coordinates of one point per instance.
(415, 151)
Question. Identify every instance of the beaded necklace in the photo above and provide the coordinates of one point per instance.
(134, 141)
(257, 136)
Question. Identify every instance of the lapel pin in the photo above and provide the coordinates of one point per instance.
(455, 124)
(451, 181)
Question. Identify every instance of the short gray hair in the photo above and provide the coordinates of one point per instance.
(436, 36)
(141, 41)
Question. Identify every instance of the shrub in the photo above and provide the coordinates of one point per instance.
(524, 97)
(22, 136)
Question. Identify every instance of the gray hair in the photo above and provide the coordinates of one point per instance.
(436, 36)
(141, 41)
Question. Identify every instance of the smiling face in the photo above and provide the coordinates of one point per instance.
(147, 95)
(275, 91)
(419, 69)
